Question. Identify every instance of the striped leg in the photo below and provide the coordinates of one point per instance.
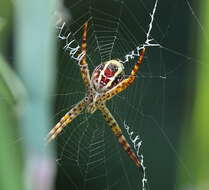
(66, 119)
(125, 83)
(83, 64)
(118, 133)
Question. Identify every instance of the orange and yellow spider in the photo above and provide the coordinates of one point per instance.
(107, 80)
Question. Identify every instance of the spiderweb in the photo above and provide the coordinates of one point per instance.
(89, 156)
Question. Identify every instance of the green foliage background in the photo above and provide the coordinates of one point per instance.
(17, 142)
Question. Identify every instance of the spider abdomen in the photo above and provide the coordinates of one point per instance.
(107, 75)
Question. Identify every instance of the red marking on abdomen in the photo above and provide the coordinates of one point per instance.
(105, 80)
(109, 73)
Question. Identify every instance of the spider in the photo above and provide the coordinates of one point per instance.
(107, 80)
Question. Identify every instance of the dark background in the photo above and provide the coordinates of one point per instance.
(154, 106)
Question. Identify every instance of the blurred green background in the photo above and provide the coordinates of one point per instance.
(172, 113)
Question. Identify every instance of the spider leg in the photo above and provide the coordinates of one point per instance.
(118, 133)
(83, 64)
(125, 83)
(66, 119)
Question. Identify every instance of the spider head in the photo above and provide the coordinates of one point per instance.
(107, 75)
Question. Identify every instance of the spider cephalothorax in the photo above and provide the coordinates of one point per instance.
(107, 75)
(108, 79)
